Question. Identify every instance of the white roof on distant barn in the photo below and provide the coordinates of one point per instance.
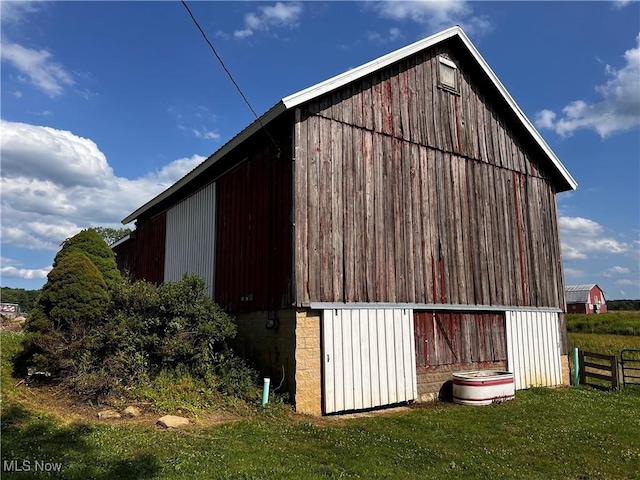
(579, 293)
(349, 76)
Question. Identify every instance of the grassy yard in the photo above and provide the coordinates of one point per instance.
(613, 323)
(605, 344)
(571, 433)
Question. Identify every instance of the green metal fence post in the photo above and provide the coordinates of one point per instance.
(576, 367)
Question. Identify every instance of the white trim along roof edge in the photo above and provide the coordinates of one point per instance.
(338, 81)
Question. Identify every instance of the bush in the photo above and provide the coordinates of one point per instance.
(159, 330)
(93, 246)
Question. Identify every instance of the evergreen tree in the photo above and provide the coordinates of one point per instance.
(93, 246)
(71, 306)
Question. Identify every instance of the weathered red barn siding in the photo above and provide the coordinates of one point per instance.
(455, 341)
(142, 256)
(253, 231)
(406, 192)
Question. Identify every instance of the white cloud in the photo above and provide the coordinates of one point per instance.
(26, 273)
(35, 65)
(581, 237)
(545, 119)
(14, 12)
(573, 272)
(617, 270)
(280, 15)
(392, 35)
(38, 66)
(618, 111)
(244, 33)
(620, 4)
(55, 183)
(627, 281)
(17, 94)
(206, 134)
(435, 15)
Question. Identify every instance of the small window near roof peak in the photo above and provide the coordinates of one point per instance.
(448, 79)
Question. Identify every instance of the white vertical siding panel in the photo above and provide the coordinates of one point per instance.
(338, 342)
(328, 359)
(358, 380)
(368, 358)
(391, 360)
(190, 238)
(533, 348)
(374, 354)
(382, 358)
(347, 358)
(398, 318)
(412, 358)
(365, 358)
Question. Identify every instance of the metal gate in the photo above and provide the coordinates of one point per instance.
(630, 361)
(368, 358)
(533, 348)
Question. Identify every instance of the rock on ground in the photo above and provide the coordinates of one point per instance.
(132, 411)
(105, 414)
(172, 421)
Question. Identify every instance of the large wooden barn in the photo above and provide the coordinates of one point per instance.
(397, 224)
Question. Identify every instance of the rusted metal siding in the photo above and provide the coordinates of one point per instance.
(254, 232)
(142, 256)
(466, 339)
(533, 348)
(190, 239)
(408, 193)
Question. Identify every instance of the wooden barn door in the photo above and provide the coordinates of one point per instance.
(533, 349)
(368, 358)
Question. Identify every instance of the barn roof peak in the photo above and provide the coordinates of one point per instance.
(352, 75)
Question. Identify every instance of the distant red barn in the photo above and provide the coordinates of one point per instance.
(585, 299)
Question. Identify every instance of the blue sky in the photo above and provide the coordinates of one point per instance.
(106, 104)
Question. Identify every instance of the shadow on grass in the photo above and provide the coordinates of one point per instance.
(27, 436)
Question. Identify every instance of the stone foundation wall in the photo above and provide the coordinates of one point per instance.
(432, 379)
(294, 345)
(308, 395)
(564, 364)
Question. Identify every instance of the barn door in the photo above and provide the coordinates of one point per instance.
(368, 358)
(533, 349)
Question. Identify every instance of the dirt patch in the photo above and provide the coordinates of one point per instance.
(61, 404)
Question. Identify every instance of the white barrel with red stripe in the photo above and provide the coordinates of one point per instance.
(483, 387)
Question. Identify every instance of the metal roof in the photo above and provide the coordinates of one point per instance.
(579, 293)
(349, 76)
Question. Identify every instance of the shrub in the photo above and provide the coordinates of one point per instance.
(169, 328)
(93, 246)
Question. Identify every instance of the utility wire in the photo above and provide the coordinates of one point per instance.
(204, 35)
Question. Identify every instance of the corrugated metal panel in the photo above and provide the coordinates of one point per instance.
(578, 293)
(368, 358)
(533, 348)
(190, 239)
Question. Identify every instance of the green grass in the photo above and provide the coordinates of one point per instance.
(572, 433)
(605, 344)
(612, 323)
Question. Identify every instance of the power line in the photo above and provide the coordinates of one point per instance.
(204, 35)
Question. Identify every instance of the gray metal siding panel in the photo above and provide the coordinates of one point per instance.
(190, 240)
